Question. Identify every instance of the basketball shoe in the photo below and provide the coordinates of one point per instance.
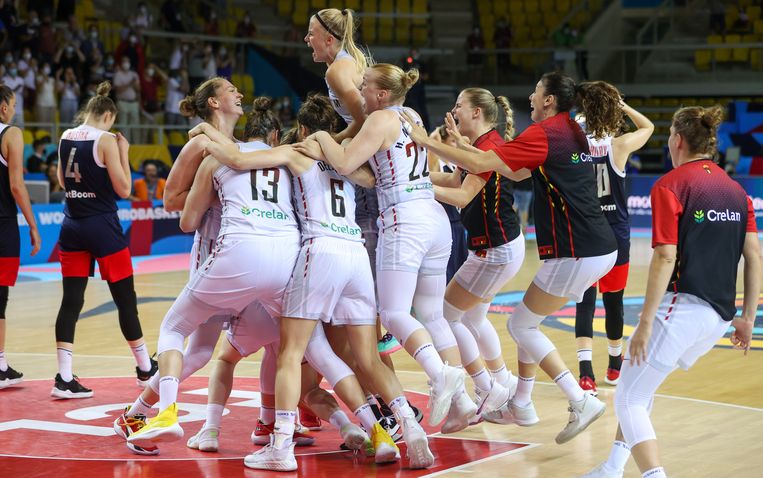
(391, 427)
(588, 384)
(261, 435)
(582, 413)
(613, 371)
(354, 437)
(125, 426)
(462, 411)
(388, 344)
(207, 439)
(442, 388)
(602, 471)
(308, 419)
(70, 389)
(419, 455)
(525, 416)
(162, 428)
(384, 448)
(10, 377)
(144, 377)
(271, 458)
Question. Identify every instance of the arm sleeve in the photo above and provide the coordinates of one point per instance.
(666, 210)
(752, 226)
(528, 150)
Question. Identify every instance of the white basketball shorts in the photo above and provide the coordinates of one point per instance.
(485, 272)
(253, 329)
(571, 277)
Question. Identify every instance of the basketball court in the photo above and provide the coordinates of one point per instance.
(708, 420)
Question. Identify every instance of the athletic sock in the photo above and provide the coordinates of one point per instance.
(618, 456)
(267, 415)
(523, 396)
(65, 364)
(140, 352)
(502, 375)
(658, 472)
(585, 356)
(429, 359)
(168, 391)
(214, 415)
(615, 356)
(140, 407)
(366, 417)
(401, 407)
(283, 429)
(339, 419)
(3, 362)
(569, 386)
(371, 400)
(482, 380)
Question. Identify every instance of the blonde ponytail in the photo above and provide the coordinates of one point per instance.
(341, 25)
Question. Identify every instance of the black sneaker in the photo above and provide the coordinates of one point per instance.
(72, 389)
(392, 427)
(10, 377)
(144, 377)
(416, 412)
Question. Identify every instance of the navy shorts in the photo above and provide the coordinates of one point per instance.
(10, 249)
(85, 240)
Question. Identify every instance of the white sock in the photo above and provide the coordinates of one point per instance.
(284, 428)
(65, 364)
(615, 351)
(566, 381)
(618, 456)
(523, 395)
(658, 472)
(502, 376)
(366, 417)
(429, 359)
(339, 419)
(401, 408)
(140, 407)
(482, 380)
(140, 352)
(3, 363)
(168, 391)
(585, 354)
(214, 415)
(267, 415)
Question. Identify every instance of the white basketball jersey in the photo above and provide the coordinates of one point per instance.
(325, 202)
(257, 201)
(338, 106)
(401, 171)
(601, 150)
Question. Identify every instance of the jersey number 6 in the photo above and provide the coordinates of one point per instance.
(271, 175)
(337, 198)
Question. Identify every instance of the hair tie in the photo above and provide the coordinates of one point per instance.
(344, 12)
(320, 20)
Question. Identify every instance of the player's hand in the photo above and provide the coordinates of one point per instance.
(310, 148)
(742, 335)
(34, 236)
(452, 128)
(122, 142)
(417, 133)
(197, 130)
(638, 343)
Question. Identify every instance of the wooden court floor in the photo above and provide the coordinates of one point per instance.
(709, 420)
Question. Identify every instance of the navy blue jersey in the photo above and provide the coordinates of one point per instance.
(7, 202)
(86, 179)
(610, 181)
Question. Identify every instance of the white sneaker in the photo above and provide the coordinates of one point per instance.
(354, 437)
(523, 416)
(272, 458)
(582, 413)
(441, 390)
(493, 399)
(419, 455)
(602, 471)
(205, 440)
(461, 413)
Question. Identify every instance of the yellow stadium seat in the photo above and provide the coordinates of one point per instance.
(176, 138)
(484, 6)
(28, 136)
(534, 20)
(403, 23)
(285, 7)
(538, 33)
(41, 133)
(756, 59)
(518, 20)
(652, 102)
(500, 8)
(515, 7)
(753, 12)
(563, 6)
(724, 55)
(420, 7)
(550, 22)
(369, 23)
(318, 4)
(352, 4)
(635, 102)
(703, 59)
(248, 85)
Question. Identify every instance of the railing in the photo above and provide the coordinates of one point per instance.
(652, 29)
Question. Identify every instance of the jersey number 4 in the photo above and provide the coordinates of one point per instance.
(270, 176)
(72, 168)
(411, 147)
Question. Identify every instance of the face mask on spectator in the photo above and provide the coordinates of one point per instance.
(125, 65)
(8, 58)
(110, 61)
(35, 22)
(150, 72)
(223, 51)
(46, 70)
(94, 34)
(69, 50)
(133, 39)
(27, 56)
(13, 71)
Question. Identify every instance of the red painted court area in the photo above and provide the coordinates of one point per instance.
(43, 437)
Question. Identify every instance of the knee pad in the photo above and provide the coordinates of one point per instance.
(442, 335)
(613, 306)
(523, 356)
(584, 311)
(3, 300)
(123, 293)
(475, 317)
(467, 345)
(322, 358)
(400, 323)
(483, 331)
(524, 329)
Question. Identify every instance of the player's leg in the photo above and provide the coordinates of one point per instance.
(584, 312)
(10, 246)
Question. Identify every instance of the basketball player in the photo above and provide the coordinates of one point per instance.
(93, 168)
(495, 241)
(574, 240)
(12, 192)
(331, 247)
(414, 245)
(603, 108)
(702, 223)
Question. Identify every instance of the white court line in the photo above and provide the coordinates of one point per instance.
(482, 460)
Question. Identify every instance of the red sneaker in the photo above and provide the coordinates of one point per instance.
(613, 376)
(125, 426)
(261, 435)
(588, 384)
(308, 419)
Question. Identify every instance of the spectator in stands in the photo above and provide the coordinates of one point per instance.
(95, 70)
(475, 59)
(57, 193)
(196, 66)
(151, 186)
(3, 34)
(293, 35)
(742, 23)
(132, 49)
(225, 63)
(502, 39)
(72, 33)
(246, 29)
(179, 56)
(717, 17)
(109, 69)
(149, 92)
(69, 56)
(36, 161)
(16, 83)
(144, 20)
(209, 62)
(93, 42)
(127, 89)
(46, 44)
(64, 10)
(45, 100)
(177, 89)
(211, 25)
(172, 17)
(29, 33)
(28, 71)
(8, 14)
(68, 89)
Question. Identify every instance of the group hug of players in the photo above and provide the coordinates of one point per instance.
(306, 239)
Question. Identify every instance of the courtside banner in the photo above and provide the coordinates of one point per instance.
(149, 229)
(640, 208)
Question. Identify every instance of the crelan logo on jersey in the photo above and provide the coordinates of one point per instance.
(418, 187)
(264, 214)
(350, 231)
(578, 157)
(717, 216)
